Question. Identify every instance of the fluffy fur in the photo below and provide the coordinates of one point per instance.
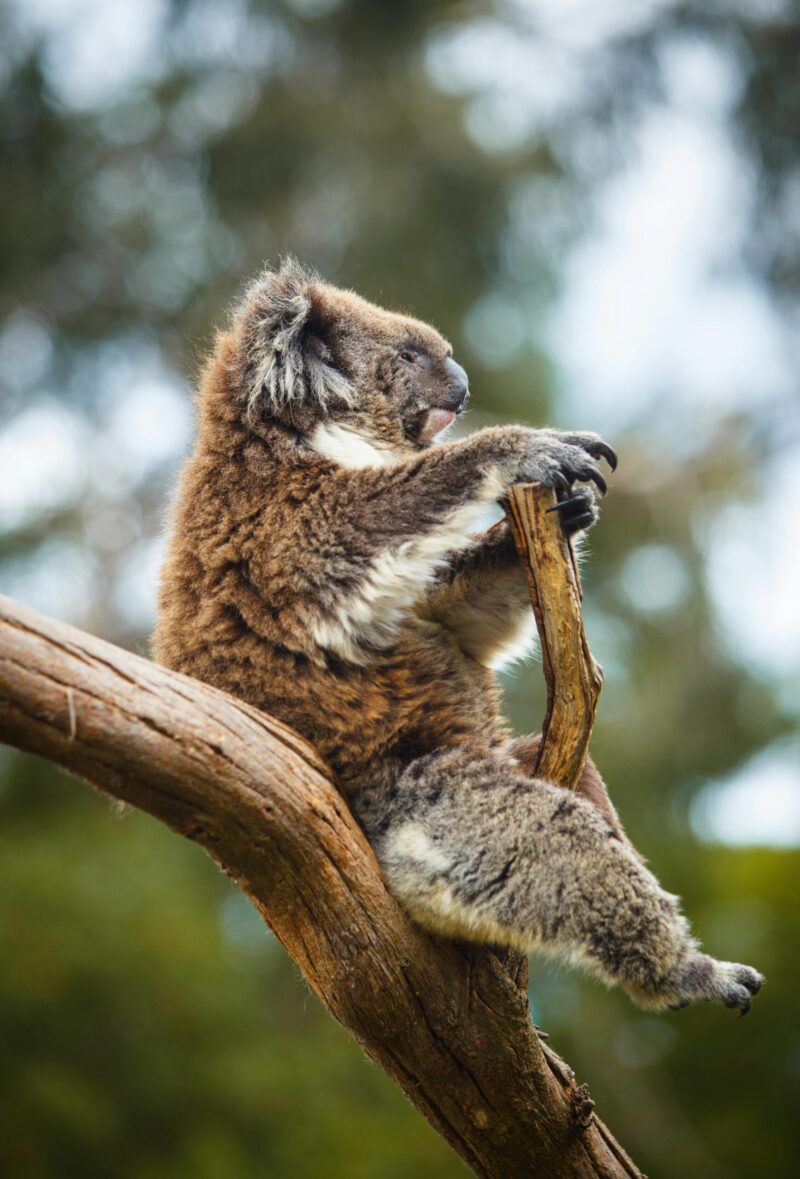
(323, 566)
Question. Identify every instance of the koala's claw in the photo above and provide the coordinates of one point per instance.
(562, 459)
(601, 449)
(567, 503)
(595, 446)
(591, 472)
(578, 511)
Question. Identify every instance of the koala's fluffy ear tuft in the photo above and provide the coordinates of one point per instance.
(287, 365)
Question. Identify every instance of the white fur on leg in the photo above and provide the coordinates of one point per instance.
(411, 862)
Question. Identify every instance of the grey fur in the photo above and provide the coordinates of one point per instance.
(286, 362)
(474, 849)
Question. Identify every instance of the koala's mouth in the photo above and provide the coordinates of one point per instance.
(436, 421)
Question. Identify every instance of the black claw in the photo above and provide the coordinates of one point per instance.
(561, 482)
(566, 503)
(576, 512)
(745, 1009)
(605, 451)
(679, 1006)
(589, 472)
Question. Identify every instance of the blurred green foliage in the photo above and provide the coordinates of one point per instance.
(150, 1026)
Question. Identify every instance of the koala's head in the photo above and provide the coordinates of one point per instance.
(327, 363)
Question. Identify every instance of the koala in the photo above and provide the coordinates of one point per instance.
(325, 564)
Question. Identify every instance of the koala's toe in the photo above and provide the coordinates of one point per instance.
(705, 978)
(594, 445)
(578, 511)
(737, 997)
(736, 984)
(749, 978)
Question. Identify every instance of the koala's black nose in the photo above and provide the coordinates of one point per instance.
(458, 385)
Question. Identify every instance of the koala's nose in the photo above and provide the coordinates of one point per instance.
(458, 384)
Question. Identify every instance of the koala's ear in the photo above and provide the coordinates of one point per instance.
(287, 365)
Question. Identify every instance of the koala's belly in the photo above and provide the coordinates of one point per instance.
(411, 700)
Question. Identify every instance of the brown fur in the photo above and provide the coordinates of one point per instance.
(240, 577)
(324, 566)
(234, 610)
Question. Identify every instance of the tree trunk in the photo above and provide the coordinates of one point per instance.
(450, 1023)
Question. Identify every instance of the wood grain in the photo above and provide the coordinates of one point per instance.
(572, 676)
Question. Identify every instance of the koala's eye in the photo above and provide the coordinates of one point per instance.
(408, 356)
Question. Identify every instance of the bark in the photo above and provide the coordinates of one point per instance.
(449, 1023)
(573, 678)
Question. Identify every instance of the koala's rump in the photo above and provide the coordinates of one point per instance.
(414, 698)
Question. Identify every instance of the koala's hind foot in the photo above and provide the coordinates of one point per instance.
(705, 978)
(473, 849)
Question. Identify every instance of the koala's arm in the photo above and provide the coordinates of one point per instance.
(366, 544)
(482, 595)
(435, 499)
(482, 598)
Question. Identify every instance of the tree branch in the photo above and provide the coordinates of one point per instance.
(573, 678)
(448, 1022)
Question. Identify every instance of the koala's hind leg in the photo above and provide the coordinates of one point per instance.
(525, 751)
(474, 849)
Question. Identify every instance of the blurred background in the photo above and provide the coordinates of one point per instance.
(599, 203)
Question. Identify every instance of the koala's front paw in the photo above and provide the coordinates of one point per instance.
(560, 459)
(729, 982)
(578, 511)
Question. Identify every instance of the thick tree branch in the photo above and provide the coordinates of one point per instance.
(449, 1023)
(573, 678)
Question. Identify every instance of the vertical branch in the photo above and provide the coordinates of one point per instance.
(573, 678)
